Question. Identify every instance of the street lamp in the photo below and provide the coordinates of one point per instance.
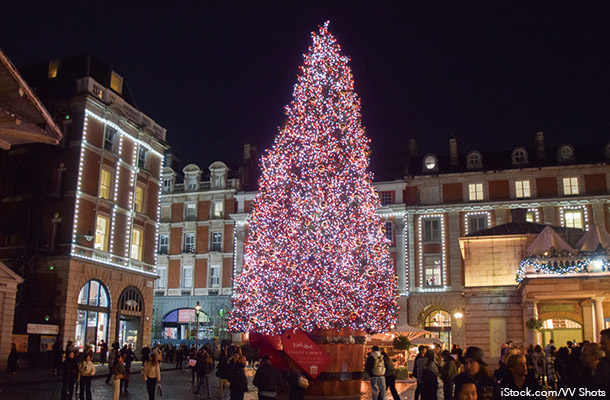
(197, 308)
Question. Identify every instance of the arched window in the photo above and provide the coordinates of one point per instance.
(474, 160)
(181, 324)
(519, 156)
(565, 153)
(439, 321)
(430, 163)
(92, 315)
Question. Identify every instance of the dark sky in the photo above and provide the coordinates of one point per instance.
(218, 74)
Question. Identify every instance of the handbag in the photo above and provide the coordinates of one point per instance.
(160, 389)
(303, 382)
(192, 362)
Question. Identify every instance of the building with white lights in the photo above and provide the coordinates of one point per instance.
(80, 220)
(195, 261)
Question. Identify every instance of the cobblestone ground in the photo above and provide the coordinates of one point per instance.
(176, 385)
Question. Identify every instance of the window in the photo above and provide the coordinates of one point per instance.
(389, 234)
(431, 233)
(53, 67)
(190, 212)
(192, 183)
(101, 233)
(477, 223)
(215, 275)
(142, 154)
(386, 197)
(570, 186)
(161, 283)
(116, 83)
(167, 185)
(530, 216)
(430, 195)
(433, 270)
(430, 162)
(219, 181)
(475, 191)
(519, 156)
(163, 244)
(573, 219)
(216, 241)
(109, 136)
(136, 243)
(522, 189)
(218, 209)
(187, 276)
(92, 314)
(474, 160)
(565, 153)
(139, 199)
(166, 213)
(104, 190)
(189, 243)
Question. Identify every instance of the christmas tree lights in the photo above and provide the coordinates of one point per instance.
(316, 255)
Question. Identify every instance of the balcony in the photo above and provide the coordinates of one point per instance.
(104, 257)
(202, 187)
(595, 265)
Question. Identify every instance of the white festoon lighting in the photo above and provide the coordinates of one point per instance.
(78, 184)
(421, 218)
(116, 193)
(582, 208)
(470, 214)
(157, 225)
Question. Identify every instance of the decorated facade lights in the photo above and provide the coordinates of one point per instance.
(441, 219)
(116, 194)
(562, 266)
(157, 224)
(583, 208)
(78, 185)
(536, 213)
(470, 214)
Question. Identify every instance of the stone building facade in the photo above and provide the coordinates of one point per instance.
(80, 220)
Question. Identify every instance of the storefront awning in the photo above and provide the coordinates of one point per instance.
(23, 118)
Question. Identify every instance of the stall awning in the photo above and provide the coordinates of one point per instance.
(23, 118)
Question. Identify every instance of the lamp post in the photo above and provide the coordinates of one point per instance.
(197, 308)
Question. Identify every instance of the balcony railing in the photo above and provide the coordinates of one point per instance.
(203, 186)
(111, 259)
(540, 267)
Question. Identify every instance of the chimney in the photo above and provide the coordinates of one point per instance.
(413, 149)
(453, 151)
(518, 215)
(539, 143)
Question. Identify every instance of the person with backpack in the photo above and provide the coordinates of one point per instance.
(390, 375)
(375, 368)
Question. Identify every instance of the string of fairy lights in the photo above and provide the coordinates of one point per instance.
(316, 255)
(555, 266)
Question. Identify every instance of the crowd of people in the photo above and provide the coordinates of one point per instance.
(574, 371)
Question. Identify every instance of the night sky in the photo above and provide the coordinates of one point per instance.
(218, 74)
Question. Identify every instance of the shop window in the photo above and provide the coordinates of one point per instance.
(92, 315)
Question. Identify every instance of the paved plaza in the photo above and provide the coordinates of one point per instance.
(39, 385)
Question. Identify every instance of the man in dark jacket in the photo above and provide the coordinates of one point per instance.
(267, 379)
(421, 352)
(69, 371)
(390, 375)
(238, 380)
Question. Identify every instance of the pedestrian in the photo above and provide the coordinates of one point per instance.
(103, 352)
(118, 371)
(465, 390)
(390, 375)
(375, 368)
(551, 372)
(431, 374)
(298, 383)
(69, 374)
(12, 360)
(86, 371)
(222, 371)
(151, 372)
(203, 368)
(129, 357)
(476, 368)
(539, 364)
(144, 354)
(112, 356)
(237, 379)
(179, 356)
(267, 379)
(421, 351)
(602, 371)
(519, 379)
(448, 372)
(56, 355)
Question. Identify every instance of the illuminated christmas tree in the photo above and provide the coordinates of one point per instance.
(316, 254)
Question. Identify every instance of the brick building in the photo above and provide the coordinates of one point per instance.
(195, 262)
(79, 220)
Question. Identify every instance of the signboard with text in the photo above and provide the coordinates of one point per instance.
(43, 329)
(308, 355)
(186, 315)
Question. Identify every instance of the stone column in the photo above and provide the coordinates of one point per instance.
(598, 308)
(401, 267)
(530, 311)
(588, 319)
